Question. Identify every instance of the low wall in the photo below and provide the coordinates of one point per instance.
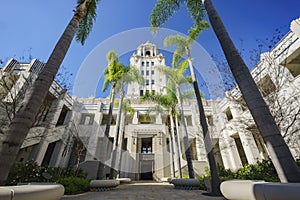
(32, 192)
(259, 190)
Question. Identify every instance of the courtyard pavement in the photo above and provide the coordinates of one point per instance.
(145, 191)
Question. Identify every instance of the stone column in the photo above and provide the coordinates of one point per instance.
(38, 152)
(250, 147)
(135, 119)
(57, 154)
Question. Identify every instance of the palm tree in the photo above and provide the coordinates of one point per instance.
(113, 73)
(169, 102)
(280, 154)
(131, 74)
(80, 24)
(183, 46)
(177, 78)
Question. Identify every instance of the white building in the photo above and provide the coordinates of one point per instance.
(146, 145)
(47, 141)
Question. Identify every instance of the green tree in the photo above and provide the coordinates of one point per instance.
(183, 46)
(81, 25)
(113, 73)
(176, 77)
(279, 152)
(131, 74)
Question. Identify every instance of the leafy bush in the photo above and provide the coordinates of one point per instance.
(74, 185)
(24, 173)
(73, 180)
(263, 170)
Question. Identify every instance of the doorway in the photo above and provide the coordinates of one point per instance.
(146, 159)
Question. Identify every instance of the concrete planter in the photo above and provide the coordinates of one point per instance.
(259, 190)
(103, 185)
(32, 192)
(124, 180)
(186, 184)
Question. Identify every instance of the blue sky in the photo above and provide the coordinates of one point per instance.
(35, 25)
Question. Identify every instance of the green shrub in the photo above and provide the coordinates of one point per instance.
(25, 172)
(263, 170)
(74, 185)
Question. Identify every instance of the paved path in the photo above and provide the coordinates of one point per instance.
(144, 191)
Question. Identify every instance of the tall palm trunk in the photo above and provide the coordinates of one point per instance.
(185, 135)
(178, 138)
(121, 138)
(25, 116)
(279, 152)
(105, 140)
(116, 140)
(176, 141)
(172, 160)
(215, 190)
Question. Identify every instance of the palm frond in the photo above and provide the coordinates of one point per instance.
(176, 58)
(163, 10)
(188, 94)
(185, 80)
(168, 72)
(133, 75)
(196, 10)
(183, 66)
(196, 30)
(177, 41)
(86, 24)
(112, 56)
(126, 107)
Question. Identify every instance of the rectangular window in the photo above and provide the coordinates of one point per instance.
(147, 73)
(143, 63)
(147, 82)
(87, 119)
(62, 116)
(210, 120)
(142, 72)
(152, 72)
(152, 63)
(228, 114)
(152, 82)
(147, 64)
(189, 120)
(141, 92)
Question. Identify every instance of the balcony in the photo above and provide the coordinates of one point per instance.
(146, 156)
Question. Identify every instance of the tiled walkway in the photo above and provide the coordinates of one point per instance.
(143, 191)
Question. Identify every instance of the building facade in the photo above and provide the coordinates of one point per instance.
(70, 131)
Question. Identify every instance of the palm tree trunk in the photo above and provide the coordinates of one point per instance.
(25, 116)
(172, 149)
(105, 140)
(178, 139)
(279, 152)
(121, 132)
(176, 143)
(215, 190)
(185, 136)
(115, 144)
